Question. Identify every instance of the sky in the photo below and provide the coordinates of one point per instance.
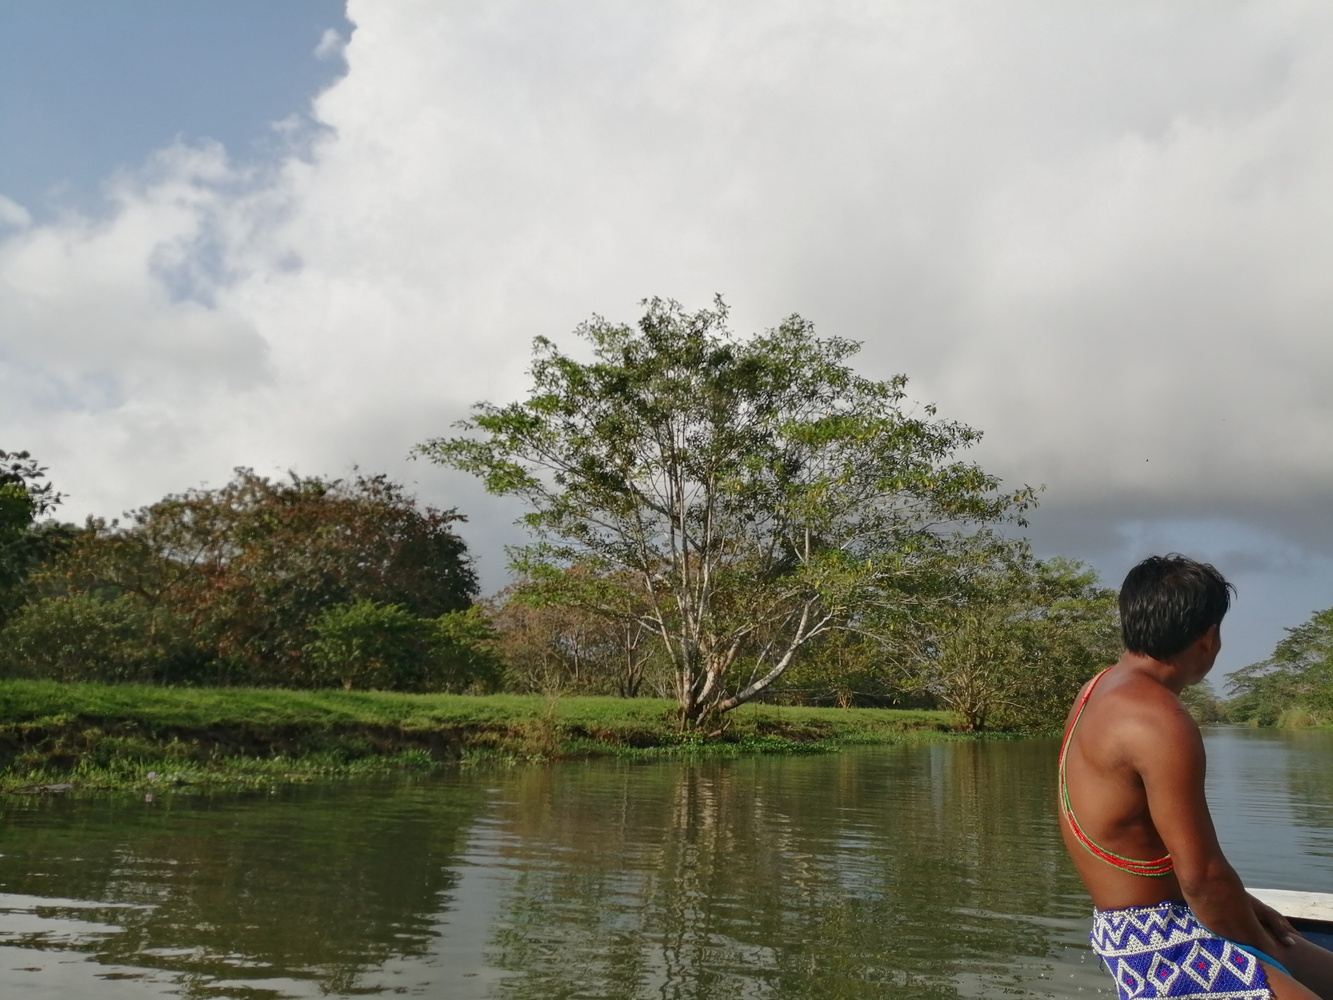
(302, 236)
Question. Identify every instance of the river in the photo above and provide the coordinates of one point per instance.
(929, 871)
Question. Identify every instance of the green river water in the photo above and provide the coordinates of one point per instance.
(929, 871)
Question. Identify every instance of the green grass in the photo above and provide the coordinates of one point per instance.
(133, 736)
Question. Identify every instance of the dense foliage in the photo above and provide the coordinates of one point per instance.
(257, 582)
(1013, 648)
(387, 647)
(26, 496)
(760, 493)
(1003, 639)
(1294, 686)
(577, 632)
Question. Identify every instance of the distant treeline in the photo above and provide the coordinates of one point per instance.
(1292, 688)
(316, 583)
(311, 582)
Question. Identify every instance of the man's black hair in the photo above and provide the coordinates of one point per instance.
(1166, 602)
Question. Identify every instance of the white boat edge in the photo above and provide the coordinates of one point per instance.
(1302, 905)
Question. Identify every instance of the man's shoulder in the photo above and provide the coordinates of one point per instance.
(1151, 711)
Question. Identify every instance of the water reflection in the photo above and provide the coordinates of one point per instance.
(929, 872)
(313, 886)
(925, 872)
(1272, 797)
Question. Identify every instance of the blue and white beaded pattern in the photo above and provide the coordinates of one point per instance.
(1163, 951)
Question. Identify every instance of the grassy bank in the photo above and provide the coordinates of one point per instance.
(129, 736)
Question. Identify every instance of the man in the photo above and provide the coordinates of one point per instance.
(1171, 916)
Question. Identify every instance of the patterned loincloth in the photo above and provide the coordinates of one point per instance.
(1163, 951)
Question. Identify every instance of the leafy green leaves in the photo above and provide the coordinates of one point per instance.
(25, 495)
(365, 644)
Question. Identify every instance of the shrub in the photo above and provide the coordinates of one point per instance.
(81, 637)
(370, 645)
(464, 652)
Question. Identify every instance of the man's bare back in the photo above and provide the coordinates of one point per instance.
(1119, 734)
(1135, 820)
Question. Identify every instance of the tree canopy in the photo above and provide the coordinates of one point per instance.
(762, 492)
(1008, 639)
(234, 584)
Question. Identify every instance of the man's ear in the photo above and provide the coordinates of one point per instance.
(1212, 638)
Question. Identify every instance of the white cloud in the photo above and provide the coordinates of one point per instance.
(1101, 233)
(331, 45)
(13, 215)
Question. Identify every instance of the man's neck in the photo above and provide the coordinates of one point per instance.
(1172, 674)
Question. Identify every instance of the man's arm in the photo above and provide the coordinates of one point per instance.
(1171, 763)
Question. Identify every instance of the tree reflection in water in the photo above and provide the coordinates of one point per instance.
(925, 872)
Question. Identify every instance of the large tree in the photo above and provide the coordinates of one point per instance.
(761, 491)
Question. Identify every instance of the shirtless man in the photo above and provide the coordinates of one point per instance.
(1171, 917)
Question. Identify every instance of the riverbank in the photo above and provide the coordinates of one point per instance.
(66, 737)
